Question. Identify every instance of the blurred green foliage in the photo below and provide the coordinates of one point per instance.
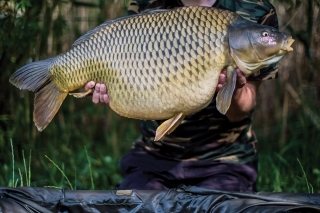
(86, 141)
(33, 30)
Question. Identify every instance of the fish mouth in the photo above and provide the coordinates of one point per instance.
(287, 45)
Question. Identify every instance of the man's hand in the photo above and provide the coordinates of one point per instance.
(243, 98)
(241, 79)
(100, 92)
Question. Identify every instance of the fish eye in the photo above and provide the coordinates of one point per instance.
(265, 34)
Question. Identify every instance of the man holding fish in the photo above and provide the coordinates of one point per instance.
(208, 149)
(191, 73)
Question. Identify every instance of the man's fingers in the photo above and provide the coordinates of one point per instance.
(241, 79)
(103, 89)
(102, 92)
(221, 80)
(106, 98)
(96, 94)
(89, 85)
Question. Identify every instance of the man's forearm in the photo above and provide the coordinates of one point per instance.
(243, 101)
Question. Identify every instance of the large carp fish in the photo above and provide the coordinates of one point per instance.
(162, 65)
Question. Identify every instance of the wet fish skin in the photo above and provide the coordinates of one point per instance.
(160, 65)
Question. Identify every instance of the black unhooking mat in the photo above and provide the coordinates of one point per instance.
(183, 199)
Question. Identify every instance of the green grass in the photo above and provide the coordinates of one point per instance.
(292, 167)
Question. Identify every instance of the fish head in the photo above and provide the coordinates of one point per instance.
(254, 46)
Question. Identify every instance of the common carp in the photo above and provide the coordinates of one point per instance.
(162, 65)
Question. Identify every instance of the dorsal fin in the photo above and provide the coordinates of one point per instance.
(88, 34)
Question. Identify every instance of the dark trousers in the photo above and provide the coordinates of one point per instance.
(145, 171)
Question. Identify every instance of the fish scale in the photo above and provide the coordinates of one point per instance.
(163, 65)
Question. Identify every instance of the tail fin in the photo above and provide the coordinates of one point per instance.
(48, 98)
(32, 76)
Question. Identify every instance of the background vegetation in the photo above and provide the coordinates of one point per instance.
(82, 146)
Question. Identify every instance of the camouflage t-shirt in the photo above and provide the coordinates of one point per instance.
(208, 135)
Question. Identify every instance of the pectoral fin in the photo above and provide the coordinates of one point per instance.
(81, 94)
(168, 126)
(224, 96)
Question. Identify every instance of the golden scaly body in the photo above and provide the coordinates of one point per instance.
(154, 66)
(160, 65)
